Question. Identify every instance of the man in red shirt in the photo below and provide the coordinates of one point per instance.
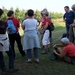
(68, 51)
(15, 36)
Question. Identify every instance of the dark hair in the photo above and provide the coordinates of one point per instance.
(25, 14)
(66, 7)
(1, 12)
(30, 12)
(10, 12)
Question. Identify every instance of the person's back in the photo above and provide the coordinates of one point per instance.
(30, 24)
(3, 27)
(31, 40)
(70, 49)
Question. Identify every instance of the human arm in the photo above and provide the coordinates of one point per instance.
(73, 24)
(60, 54)
(23, 25)
(64, 18)
(58, 45)
(47, 22)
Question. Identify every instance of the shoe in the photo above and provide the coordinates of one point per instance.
(28, 61)
(44, 52)
(4, 73)
(13, 70)
(37, 61)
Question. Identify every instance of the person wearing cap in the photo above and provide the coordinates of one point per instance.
(68, 51)
(45, 31)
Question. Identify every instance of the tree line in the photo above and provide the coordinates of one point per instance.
(20, 14)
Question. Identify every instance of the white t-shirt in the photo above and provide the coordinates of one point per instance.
(30, 24)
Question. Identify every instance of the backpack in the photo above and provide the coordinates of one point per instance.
(52, 27)
(11, 27)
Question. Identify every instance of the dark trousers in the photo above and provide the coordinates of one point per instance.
(11, 60)
(68, 29)
(29, 53)
(16, 37)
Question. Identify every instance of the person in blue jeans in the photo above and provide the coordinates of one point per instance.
(4, 47)
(68, 18)
(31, 40)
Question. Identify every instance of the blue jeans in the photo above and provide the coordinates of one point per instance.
(29, 53)
(67, 28)
(11, 60)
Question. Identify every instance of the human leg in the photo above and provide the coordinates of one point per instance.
(67, 29)
(11, 60)
(46, 41)
(29, 55)
(12, 41)
(2, 64)
(18, 40)
(36, 55)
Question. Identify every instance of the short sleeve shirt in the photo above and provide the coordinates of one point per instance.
(70, 50)
(43, 20)
(30, 24)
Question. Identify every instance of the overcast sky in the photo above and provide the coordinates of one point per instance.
(51, 5)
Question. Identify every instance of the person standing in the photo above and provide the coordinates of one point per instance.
(26, 16)
(4, 47)
(68, 19)
(72, 27)
(15, 36)
(31, 40)
(45, 30)
(73, 7)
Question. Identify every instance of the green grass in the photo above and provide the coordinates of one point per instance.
(46, 66)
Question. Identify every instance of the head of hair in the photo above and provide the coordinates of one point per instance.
(25, 13)
(10, 12)
(73, 6)
(1, 12)
(44, 13)
(66, 7)
(30, 13)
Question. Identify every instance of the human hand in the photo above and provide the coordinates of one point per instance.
(73, 24)
(55, 51)
(54, 46)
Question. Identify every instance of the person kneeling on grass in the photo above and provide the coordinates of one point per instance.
(68, 52)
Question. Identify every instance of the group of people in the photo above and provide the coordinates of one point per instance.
(31, 40)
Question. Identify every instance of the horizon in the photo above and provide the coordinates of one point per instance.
(52, 6)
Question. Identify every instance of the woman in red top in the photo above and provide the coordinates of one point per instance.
(68, 52)
(45, 31)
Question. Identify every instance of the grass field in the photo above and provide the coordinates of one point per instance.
(46, 66)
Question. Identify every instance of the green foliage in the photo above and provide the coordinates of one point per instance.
(20, 14)
(56, 15)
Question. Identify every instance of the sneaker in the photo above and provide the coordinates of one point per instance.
(37, 61)
(13, 70)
